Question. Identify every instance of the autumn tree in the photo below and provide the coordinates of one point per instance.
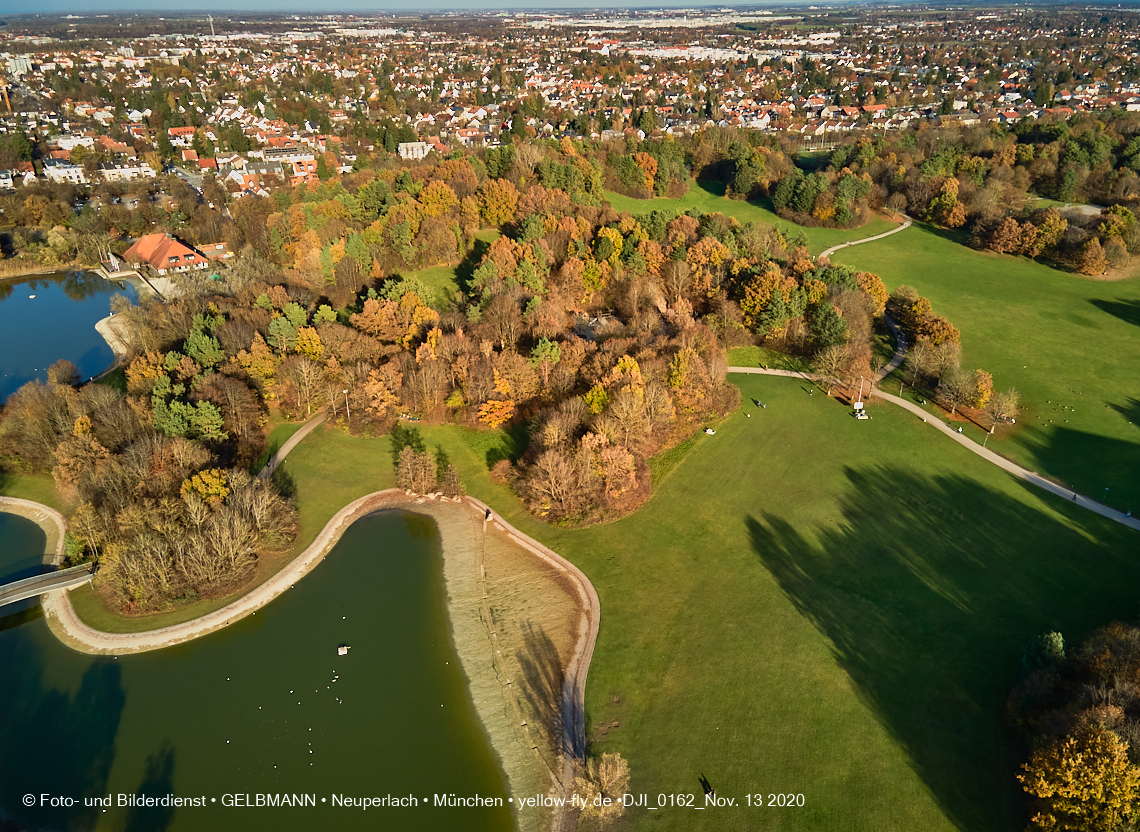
(1082, 783)
(1092, 260)
(601, 788)
(500, 199)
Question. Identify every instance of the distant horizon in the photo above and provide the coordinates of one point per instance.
(53, 8)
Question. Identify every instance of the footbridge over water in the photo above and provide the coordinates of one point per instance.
(38, 584)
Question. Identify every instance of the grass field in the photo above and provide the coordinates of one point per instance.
(444, 281)
(1069, 345)
(277, 437)
(808, 604)
(40, 489)
(709, 198)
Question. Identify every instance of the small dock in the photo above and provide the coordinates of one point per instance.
(118, 271)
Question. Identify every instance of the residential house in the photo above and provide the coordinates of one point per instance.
(165, 254)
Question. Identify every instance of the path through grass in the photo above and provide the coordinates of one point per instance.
(1071, 347)
(709, 198)
(814, 605)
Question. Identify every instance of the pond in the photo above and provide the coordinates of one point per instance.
(265, 706)
(58, 322)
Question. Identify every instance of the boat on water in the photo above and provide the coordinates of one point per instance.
(342, 650)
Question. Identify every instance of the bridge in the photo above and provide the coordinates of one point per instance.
(39, 584)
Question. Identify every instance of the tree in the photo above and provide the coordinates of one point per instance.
(827, 326)
(1092, 261)
(956, 389)
(416, 471)
(204, 349)
(601, 789)
(500, 200)
(1082, 783)
(1003, 405)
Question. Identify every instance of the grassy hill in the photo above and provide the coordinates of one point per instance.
(1070, 346)
(709, 198)
(808, 605)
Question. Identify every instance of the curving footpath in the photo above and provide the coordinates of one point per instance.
(828, 252)
(1018, 471)
(291, 443)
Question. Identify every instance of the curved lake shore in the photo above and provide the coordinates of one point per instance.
(523, 619)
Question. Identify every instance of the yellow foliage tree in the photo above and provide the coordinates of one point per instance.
(1082, 783)
(209, 484)
(309, 343)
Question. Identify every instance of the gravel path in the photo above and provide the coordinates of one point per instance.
(828, 252)
(1018, 471)
(291, 443)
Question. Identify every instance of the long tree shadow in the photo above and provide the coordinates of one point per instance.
(551, 702)
(928, 590)
(1127, 310)
(465, 271)
(55, 741)
(158, 782)
(1091, 462)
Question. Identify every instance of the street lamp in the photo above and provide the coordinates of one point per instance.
(1105, 500)
(346, 405)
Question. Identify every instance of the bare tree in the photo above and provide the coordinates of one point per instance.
(1003, 404)
(956, 389)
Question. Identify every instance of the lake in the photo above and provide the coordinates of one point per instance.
(59, 322)
(265, 706)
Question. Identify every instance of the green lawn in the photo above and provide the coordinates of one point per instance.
(441, 280)
(444, 281)
(40, 489)
(709, 198)
(277, 437)
(1069, 345)
(808, 604)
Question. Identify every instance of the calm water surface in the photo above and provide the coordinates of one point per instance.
(264, 706)
(59, 322)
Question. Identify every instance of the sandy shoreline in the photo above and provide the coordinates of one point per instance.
(524, 621)
(48, 519)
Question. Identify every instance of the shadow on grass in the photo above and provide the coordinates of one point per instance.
(55, 740)
(286, 485)
(1127, 310)
(1091, 462)
(928, 589)
(465, 271)
(516, 438)
(545, 693)
(1129, 410)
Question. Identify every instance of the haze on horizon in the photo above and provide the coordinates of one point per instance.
(89, 7)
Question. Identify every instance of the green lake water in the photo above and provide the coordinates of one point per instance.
(59, 322)
(263, 706)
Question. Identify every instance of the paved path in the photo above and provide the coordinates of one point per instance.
(985, 453)
(833, 249)
(900, 349)
(282, 452)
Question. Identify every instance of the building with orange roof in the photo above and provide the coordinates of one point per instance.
(165, 254)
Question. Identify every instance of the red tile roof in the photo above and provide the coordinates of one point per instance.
(159, 249)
